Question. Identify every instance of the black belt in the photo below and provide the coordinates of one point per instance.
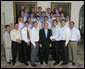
(72, 41)
(36, 41)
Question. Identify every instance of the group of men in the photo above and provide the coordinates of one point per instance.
(35, 35)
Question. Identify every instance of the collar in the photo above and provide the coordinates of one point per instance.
(34, 28)
(25, 28)
(45, 29)
(72, 28)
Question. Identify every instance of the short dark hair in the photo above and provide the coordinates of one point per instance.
(55, 20)
(39, 7)
(32, 8)
(48, 8)
(68, 16)
(15, 24)
(63, 20)
(43, 12)
(62, 12)
(26, 22)
(7, 26)
(45, 16)
(72, 22)
(37, 16)
(29, 17)
(51, 13)
(34, 22)
(57, 16)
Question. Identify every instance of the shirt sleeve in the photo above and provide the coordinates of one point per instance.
(19, 26)
(49, 25)
(32, 37)
(78, 35)
(67, 36)
(20, 36)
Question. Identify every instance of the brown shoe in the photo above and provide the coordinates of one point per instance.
(73, 63)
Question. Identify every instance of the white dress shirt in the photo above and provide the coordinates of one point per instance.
(25, 19)
(49, 24)
(57, 33)
(51, 20)
(66, 34)
(75, 34)
(34, 35)
(21, 25)
(24, 34)
(32, 20)
(68, 23)
(39, 26)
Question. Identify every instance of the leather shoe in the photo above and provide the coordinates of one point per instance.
(73, 63)
(13, 63)
(41, 63)
(70, 61)
(64, 63)
(26, 63)
(9, 62)
(55, 63)
(46, 62)
(33, 65)
(21, 61)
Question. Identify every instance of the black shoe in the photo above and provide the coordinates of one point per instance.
(41, 63)
(64, 63)
(9, 62)
(21, 61)
(55, 63)
(46, 62)
(73, 63)
(13, 63)
(33, 65)
(69, 61)
(37, 60)
(26, 63)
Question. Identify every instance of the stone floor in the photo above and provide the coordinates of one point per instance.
(79, 64)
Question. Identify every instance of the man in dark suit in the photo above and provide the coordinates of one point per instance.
(45, 43)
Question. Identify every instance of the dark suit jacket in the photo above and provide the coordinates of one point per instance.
(42, 38)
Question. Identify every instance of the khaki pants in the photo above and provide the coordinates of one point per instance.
(72, 50)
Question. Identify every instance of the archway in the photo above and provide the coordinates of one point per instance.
(81, 20)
